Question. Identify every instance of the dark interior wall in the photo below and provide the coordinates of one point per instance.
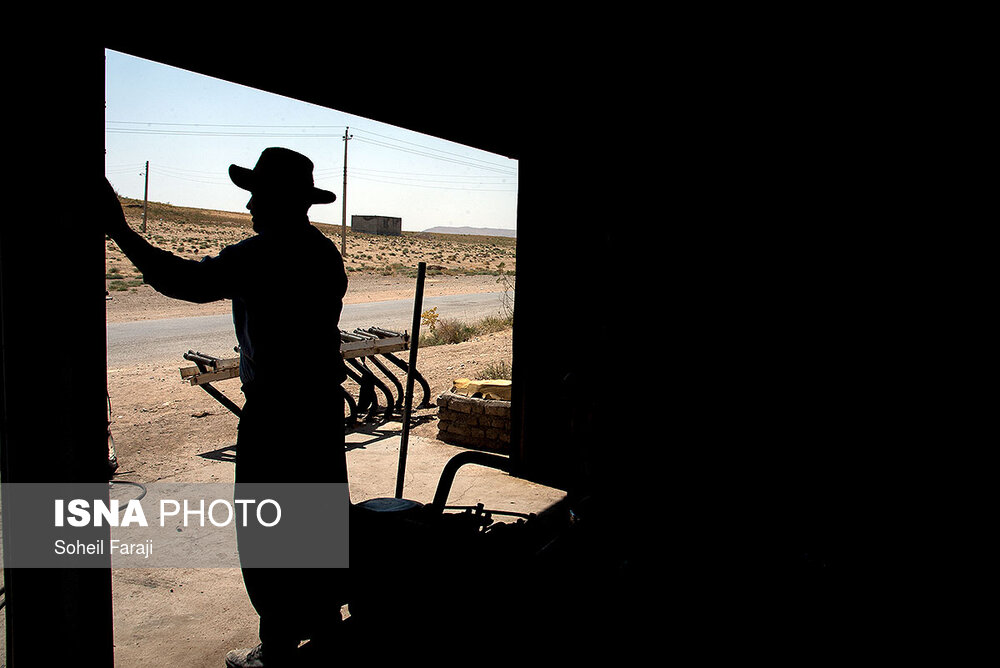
(53, 336)
(65, 428)
(751, 445)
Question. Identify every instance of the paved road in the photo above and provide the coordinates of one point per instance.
(156, 341)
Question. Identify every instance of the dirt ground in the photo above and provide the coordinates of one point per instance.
(368, 258)
(152, 403)
(166, 429)
(144, 303)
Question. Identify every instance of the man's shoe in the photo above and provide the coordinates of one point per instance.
(257, 658)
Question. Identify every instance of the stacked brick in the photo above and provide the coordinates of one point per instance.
(471, 422)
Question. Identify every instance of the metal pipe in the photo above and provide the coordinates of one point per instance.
(500, 462)
(505, 513)
(418, 301)
(388, 374)
(352, 406)
(390, 401)
(420, 379)
(200, 358)
(366, 395)
(384, 333)
(222, 399)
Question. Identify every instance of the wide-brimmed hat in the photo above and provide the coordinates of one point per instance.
(281, 169)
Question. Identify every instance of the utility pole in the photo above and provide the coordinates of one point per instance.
(343, 223)
(145, 198)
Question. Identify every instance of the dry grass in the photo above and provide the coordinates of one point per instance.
(195, 233)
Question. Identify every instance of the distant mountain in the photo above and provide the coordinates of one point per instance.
(481, 231)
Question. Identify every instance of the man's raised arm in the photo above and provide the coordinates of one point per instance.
(169, 274)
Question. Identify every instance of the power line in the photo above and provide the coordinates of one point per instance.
(329, 173)
(465, 157)
(436, 157)
(421, 185)
(188, 133)
(359, 174)
(454, 182)
(225, 125)
(192, 178)
(207, 178)
(147, 128)
(137, 169)
(194, 172)
(444, 176)
(438, 183)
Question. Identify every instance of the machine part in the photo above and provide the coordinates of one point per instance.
(364, 335)
(389, 505)
(222, 399)
(357, 348)
(352, 407)
(355, 344)
(388, 374)
(367, 401)
(372, 379)
(426, 402)
(383, 333)
(500, 462)
(201, 359)
(210, 368)
(508, 513)
(364, 345)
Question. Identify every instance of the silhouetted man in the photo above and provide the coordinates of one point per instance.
(287, 285)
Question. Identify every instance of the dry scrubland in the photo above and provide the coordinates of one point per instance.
(195, 233)
(380, 268)
(165, 429)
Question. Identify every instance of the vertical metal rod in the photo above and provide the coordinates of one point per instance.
(145, 198)
(408, 399)
(343, 222)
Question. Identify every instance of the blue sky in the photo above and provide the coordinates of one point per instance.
(191, 128)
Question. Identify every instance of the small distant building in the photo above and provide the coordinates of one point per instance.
(385, 225)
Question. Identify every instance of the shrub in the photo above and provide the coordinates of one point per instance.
(495, 323)
(120, 286)
(495, 371)
(430, 318)
(447, 331)
(453, 331)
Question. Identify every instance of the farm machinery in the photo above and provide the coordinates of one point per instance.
(368, 356)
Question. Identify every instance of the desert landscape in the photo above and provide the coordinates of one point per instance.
(194, 233)
(165, 429)
(157, 418)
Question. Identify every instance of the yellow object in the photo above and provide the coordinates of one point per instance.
(487, 389)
